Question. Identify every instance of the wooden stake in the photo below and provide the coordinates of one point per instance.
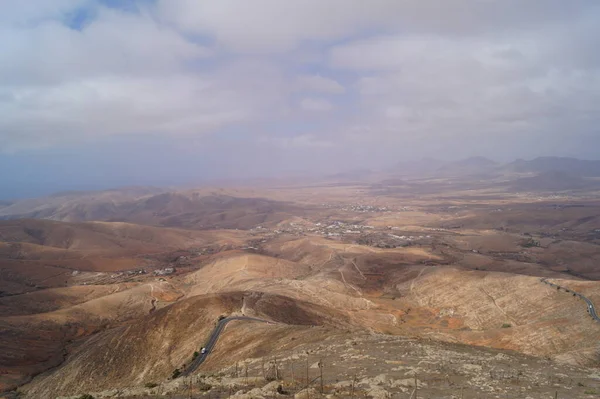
(307, 372)
(416, 388)
(321, 368)
(293, 377)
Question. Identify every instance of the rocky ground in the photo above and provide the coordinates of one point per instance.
(379, 366)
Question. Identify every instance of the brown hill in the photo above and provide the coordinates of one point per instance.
(552, 181)
(466, 271)
(572, 166)
(152, 348)
(45, 238)
(32, 343)
(75, 205)
(468, 166)
(38, 254)
(192, 209)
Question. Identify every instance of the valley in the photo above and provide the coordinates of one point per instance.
(107, 292)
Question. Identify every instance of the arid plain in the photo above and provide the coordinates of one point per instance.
(110, 292)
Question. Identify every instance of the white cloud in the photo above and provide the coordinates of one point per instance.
(468, 88)
(116, 43)
(299, 142)
(316, 104)
(275, 25)
(111, 105)
(466, 69)
(122, 74)
(268, 25)
(319, 84)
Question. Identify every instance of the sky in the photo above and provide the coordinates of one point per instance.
(102, 93)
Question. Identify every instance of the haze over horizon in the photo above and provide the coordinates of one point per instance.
(105, 93)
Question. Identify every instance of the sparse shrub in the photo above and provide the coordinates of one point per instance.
(281, 391)
(151, 385)
(222, 317)
(530, 243)
(203, 386)
(590, 392)
(580, 384)
(86, 396)
(176, 373)
(506, 325)
(195, 355)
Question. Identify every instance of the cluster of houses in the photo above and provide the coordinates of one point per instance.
(359, 208)
(326, 229)
(165, 271)
(383, 237)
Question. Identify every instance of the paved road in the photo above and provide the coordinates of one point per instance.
(212, 341)
(590, 306)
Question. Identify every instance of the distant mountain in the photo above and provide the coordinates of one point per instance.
(424, 166)
(475, 162)
(170, 209)
(572, 166)
(353, 174)
(484, 166)
(467, 167)
(551, 181)
(132, 191)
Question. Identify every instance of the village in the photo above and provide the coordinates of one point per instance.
(381, 237)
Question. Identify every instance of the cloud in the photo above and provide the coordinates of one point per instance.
(115, 43)
(121, 74)
(384, 76)
(107, 106)
(319, 84)
(266, 25)
(304, 141)
(316, 104)
(273, 25)
(468, 88)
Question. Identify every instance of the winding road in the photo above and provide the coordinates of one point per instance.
(212, 341)
(590, 306)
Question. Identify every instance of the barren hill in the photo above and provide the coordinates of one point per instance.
(159, 343)
(562, 164)
(468, 166)
(552, 181)
(194, 210)
(38, 254)
(457, 261)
